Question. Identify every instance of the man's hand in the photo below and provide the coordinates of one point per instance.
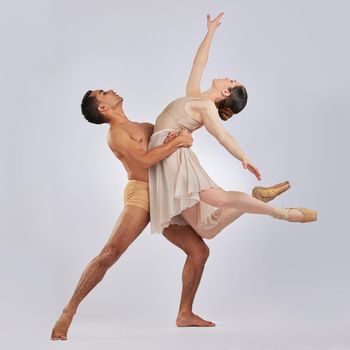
(247, 164)
(213, 24)
(184, 137)
(170, 137)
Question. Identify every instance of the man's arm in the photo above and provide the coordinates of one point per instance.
(201, 58)
(123, 143)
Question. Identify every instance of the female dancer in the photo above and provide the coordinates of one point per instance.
(181, 191)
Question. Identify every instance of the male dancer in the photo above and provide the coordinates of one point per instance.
(129, 142)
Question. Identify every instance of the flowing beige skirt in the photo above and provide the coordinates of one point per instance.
(175, 184)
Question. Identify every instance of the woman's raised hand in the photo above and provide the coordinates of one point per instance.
(213, 24)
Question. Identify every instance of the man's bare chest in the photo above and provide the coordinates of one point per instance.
(139, 134)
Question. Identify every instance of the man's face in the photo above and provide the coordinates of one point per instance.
(107, 99)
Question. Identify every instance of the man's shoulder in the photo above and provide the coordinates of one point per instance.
(150, 125)
(147, 127)
(117, 134)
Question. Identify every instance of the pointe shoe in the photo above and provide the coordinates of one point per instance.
(266, 194)
(310, 215)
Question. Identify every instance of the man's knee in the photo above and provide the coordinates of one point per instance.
(110, 254)
(200, 254)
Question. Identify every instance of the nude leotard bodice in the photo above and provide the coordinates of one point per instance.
(174, 117)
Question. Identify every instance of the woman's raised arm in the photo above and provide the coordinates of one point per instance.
(201, 59)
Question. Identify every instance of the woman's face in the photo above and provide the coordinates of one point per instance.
(224, 84)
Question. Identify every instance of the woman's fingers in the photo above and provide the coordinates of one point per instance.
(254, 170)
(215, 22)
(218, 17)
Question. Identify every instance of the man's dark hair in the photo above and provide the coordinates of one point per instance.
(234, 103)
(89, 109)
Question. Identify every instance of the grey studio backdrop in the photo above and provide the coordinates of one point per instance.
(267, 284)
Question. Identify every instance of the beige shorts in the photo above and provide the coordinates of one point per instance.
(136, 194)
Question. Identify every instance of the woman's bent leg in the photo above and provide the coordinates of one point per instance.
(233, 205)
(228, 215)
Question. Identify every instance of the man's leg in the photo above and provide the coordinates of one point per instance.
(197, 252)
(130, 224)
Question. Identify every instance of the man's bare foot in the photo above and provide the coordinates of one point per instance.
(60, 329)
(192, 320)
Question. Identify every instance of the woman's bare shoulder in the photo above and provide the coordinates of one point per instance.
(200, 103)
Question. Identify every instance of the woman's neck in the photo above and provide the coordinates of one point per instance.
(212, 94)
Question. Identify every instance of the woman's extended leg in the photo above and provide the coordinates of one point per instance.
(233, 205)
(241, 201)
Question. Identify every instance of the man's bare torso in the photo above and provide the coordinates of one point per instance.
(139, 132)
